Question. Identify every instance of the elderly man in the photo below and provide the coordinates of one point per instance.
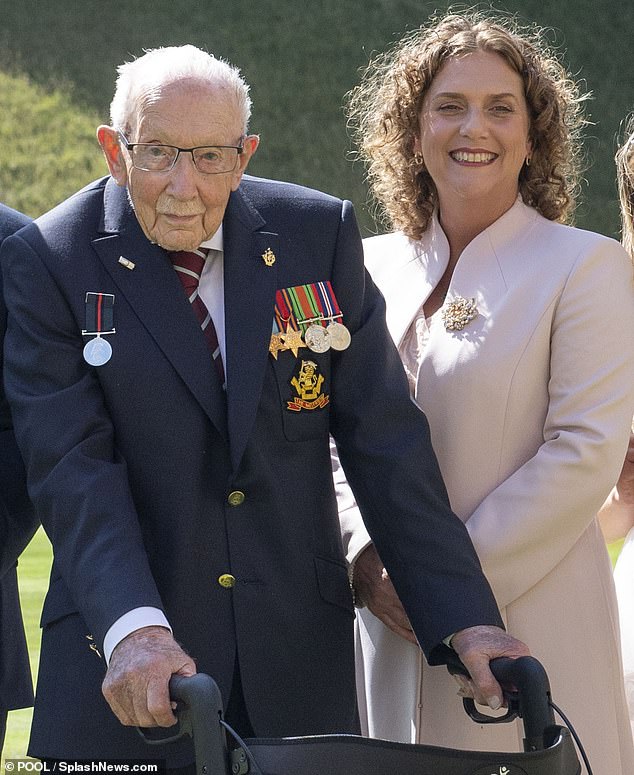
(17, 525)
(163, 322)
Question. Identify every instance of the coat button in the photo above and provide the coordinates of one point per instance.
(227, 580)
(236, 498)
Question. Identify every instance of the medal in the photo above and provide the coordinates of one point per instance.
(99, 322)
(276, 344)
(293, 340)
(317, 338)
(311, 311)
(338, 335)
(97, 352)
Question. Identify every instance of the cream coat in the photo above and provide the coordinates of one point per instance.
(529, 408)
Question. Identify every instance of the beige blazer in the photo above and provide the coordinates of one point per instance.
(529, 408)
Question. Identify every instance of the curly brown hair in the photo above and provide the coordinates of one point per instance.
(625, 176)
(384, 109)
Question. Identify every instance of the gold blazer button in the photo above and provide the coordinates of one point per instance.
(236, 498)
(227, 580)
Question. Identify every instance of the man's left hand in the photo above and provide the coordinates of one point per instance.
(476, 647)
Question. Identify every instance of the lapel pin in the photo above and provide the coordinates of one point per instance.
(268, 257)
(93, 646)
(126, 262)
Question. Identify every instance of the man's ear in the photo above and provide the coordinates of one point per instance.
(110, 145)
(250, 146)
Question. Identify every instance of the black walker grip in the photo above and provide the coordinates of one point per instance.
(527, 694)
(199, 712)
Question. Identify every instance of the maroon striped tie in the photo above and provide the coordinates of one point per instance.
(189, 266)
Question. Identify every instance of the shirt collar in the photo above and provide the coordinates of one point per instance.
(215, 242)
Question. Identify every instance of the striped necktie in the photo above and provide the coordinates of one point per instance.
(189, 266)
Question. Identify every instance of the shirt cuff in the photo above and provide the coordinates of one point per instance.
(145, 616)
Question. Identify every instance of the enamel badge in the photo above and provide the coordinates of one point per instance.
(308, 383)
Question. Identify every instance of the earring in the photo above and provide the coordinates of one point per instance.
(528, 161)
(418, 160)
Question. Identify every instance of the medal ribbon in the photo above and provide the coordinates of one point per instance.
(303, 305)
(327, 302)
(99, 313)
(283, 314)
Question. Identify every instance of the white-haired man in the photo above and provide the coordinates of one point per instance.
(181, 469)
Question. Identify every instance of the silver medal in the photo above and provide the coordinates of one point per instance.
(97, 352)
(317, 339)
(338, 335)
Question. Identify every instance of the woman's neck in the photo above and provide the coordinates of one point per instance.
(462, 221)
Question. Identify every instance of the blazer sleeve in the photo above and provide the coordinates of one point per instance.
(76, 478)
(385, 449)
(18, 521)
(528, 523)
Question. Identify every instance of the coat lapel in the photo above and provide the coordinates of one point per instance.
(250, 286)
(154, 292)
(406, 271)
(481, 271)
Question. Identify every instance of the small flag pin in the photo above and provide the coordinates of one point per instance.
(126, 262)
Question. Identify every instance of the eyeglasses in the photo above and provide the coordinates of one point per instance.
(208, 159)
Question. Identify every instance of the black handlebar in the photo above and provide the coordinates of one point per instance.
(527, 695)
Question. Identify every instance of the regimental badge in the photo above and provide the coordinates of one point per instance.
(308, 384)
(458, 313)
(268, 257)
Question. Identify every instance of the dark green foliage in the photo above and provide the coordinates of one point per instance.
(300, 59)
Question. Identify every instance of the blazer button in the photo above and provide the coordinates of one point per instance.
(236, 498)
(227, 580)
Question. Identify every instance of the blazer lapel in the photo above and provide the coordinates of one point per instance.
(250, 286)
(154, 292)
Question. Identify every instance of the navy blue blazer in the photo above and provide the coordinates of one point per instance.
(17, 525)
(132, 465)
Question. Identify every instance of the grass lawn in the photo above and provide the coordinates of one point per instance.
(33, 572)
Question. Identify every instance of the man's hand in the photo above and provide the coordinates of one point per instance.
(476, 647)
(375, 589)
(136, 685)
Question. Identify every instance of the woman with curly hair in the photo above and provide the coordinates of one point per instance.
(515, 333)
(617, 514)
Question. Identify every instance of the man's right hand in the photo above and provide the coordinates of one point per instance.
(136, 685)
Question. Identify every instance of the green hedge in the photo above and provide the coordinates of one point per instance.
(300, 58)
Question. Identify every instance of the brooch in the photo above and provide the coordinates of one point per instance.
(458, 313)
